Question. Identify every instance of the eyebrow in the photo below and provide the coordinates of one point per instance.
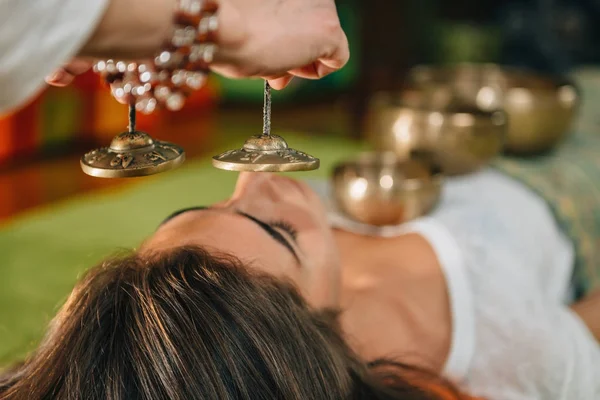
(179, 212)
(274, 233)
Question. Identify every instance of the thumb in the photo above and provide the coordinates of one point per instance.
(281, 82)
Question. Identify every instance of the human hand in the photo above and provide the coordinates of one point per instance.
(279, 39)
(271, 39)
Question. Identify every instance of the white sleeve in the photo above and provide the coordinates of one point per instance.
(36, 37)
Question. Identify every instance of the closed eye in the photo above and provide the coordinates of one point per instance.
(272, 229)
(286, 227)
(274, 233)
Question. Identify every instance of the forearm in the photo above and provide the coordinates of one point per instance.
(588, 310)
(131, 29)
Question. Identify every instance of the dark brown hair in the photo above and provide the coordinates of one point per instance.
(187, 324)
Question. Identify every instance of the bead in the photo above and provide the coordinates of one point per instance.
(193, 7)
(208, 24)
(117, 88)
(175, 101)
(146, 105)
(147, 77)
(138, 91)
(195, 80)
(121, 66)
(162, 93)
(184, 37)
(202, 53)
(168, 59)
(110, 67)
(164, 76)
(128, 87)
(99, 67)
(178, 77)
(144, 68)
(209, 53)
(132, 67)
(118, 93)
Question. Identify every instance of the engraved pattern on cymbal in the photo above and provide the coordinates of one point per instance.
(155, 156)
(106, 162)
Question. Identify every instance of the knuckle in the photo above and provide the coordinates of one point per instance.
(337, 42)
(331, 26)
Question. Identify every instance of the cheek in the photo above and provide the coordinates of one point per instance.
(321, 277)
(314, 234)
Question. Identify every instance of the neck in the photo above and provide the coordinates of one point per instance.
(394, 299)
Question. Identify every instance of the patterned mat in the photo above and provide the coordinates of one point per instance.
(569, 180)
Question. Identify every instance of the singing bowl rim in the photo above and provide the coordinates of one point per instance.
(516, 77)
(482, 119)
(367, 159)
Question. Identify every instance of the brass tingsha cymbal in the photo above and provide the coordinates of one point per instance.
(266, 152)
(132, 154)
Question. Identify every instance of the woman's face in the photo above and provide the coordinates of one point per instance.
(274, 224)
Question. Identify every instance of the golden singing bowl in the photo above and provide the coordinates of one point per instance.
(540, 108)
(384, 189)
(463, 138)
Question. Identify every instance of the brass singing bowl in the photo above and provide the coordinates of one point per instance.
(384, 189)
(462, 138)
(540, 108)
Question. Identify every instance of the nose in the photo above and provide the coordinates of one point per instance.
(249, 179)
(250, 182)
(261, 184)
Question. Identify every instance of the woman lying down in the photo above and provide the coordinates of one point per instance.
(259, 298)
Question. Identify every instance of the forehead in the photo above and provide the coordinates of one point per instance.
(223, 231)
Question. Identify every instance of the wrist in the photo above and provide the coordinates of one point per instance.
(588, 309)
(131, 29)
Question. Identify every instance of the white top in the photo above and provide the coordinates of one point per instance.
(36, 37)
(508, 268)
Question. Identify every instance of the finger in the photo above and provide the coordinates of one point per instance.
(272, 77)
(280, 83)
(319, 69)
(126, 100)
(60, 78)
(333, 60)
(65, 75)
(338, 56)
(78, 66)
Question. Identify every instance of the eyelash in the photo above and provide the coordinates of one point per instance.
(285, 226)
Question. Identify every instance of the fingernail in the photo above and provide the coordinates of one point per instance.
(56, 76)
